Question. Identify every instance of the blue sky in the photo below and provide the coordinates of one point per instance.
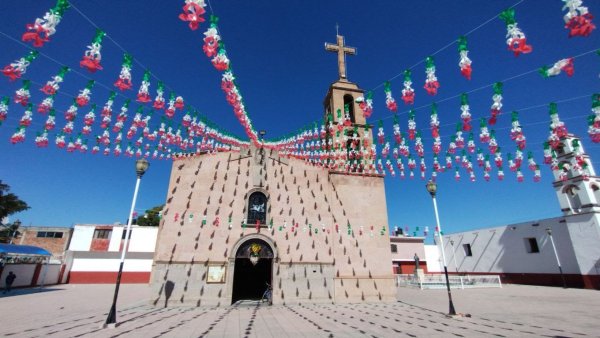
(283, 71)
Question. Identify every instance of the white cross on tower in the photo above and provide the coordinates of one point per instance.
(341, 52)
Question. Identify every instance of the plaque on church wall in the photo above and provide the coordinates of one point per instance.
(216, 274)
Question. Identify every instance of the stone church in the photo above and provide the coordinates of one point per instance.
(236, 221)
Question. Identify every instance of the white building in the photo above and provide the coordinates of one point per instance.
(95, 252)
(523, 253)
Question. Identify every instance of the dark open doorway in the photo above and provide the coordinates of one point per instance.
(253, 270)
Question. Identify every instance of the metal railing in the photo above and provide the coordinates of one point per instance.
(438, 281)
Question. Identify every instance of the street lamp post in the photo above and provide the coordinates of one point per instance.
(432, 188)
(141, 166)
(562, 276)
(454, 255)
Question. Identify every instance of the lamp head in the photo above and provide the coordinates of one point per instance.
(431, 188)
(549, 231)
(141, 166)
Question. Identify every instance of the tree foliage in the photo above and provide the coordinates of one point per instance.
(9, 202)
(151, 217)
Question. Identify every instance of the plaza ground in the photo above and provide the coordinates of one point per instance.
(512, 311)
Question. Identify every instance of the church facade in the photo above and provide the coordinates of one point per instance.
(236, 222)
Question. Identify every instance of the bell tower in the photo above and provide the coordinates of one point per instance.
(349, 136)
(575, 182)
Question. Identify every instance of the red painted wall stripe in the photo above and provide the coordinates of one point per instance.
(98, 277)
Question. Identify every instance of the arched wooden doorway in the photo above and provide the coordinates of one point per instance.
(253, 270)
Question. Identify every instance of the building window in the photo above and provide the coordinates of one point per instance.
(349, 106)
(394, 248)
(49, 234)
(467, 248)
(257, 208)
(102, 234)
(124, 232)
(531, 245)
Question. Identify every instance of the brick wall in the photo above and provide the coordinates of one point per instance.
(56, 246)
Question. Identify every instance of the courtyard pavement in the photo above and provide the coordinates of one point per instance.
(512, 311)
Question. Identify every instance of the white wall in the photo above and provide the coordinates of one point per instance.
(82, 238)
(504, 249)
(107, 265)
(143, 239)
(50, 276)
(434, 260)
(115, 238)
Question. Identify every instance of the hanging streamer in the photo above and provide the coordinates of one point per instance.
(53, 85)
(22, 94)
(558, 130)
(124, 80)
(593, 120)
(565, 65)
(143, 95)
(389, 99)
(496, 108)
(408, 93)
(465, 114)
(84, 95)
(431, 82)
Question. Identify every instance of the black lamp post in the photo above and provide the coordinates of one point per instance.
(562, 276)
(141, 166)
(432, 188)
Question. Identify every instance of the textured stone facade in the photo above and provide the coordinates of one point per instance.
(312, 261)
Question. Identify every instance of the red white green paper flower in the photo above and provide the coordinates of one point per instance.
(434, 122)
(431, 82)
(465, 114)
(159, 100)
(484, 133)
(594, 119)
(53, 85)
(124, 80)
(366, 104)
(211, 38)
(18, 136)
(107, 111)
(419, 149)
(516, 132)
(46, 104)
(389, 99)
(493, 144)
(459, 140)
(22, 94)
(515, 38)
(558, 130)
(143, 95)
(221, 61)
(412, 125)
(465, 62)
(4, 108)
(41, 29)
(41, 140)
(496, 108)
(88, 120)
(563, 65)
(408, 93)
(19, 67)
(84, 95)
(578, 20)
(50, 121)
(92, 56)
(27, 116)
(192, 12)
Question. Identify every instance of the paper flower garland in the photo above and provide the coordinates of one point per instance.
(40, 31)
(107, 111)
(143, 95)
(408, 93)
(46, 104)
(389, 99)
(516, 133)
(92, 56)
(211, 38)
(565, 65)
(412, 125)
(431, 82)
(465, 62)
(53, 85)
(192, 13)
(88, 120)
(50, 121)
(577, 19)
(515, 38)
(124, 80)
(496, 108)
(19, 67)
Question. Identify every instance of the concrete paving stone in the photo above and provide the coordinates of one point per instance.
(511, 311)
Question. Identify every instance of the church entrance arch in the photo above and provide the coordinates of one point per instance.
(253, 269)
